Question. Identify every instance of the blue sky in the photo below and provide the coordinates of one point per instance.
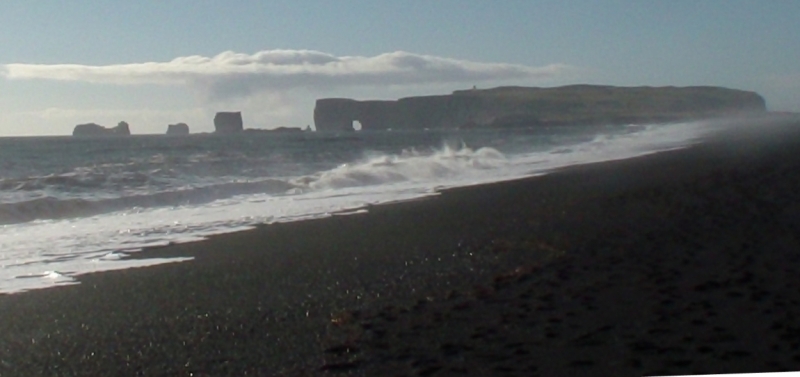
(152, 63)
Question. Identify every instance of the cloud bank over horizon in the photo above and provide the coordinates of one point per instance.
(231, 75)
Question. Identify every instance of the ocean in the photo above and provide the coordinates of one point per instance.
(72, 206)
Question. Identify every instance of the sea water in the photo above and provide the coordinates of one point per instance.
(71, 206)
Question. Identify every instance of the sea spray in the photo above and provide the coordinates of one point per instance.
(409, 166)
(78, 206)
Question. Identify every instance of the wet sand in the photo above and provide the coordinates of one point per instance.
(675, 263)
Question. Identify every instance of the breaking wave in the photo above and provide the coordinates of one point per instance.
(69, 212)
(378, 169)
(54, 208)
(410, 165)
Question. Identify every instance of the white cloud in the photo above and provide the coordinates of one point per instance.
(230, 74)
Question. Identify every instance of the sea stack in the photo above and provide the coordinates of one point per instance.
(228, 122)
(178, 129)
(94, 129)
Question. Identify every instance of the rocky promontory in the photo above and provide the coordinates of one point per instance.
(228, 122)
(178, 129)
(532, 107)
(93, 129)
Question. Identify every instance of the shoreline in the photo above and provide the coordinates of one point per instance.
(262, 301)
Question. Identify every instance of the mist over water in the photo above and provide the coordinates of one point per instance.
(70, 206)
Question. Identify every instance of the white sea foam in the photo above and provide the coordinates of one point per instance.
(33, 251)
(410, 166)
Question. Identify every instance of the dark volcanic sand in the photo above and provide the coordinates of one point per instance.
(676, 263)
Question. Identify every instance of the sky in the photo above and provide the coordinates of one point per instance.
(154, 63)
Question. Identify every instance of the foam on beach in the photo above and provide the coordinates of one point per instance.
(671, 264)
(76, 234)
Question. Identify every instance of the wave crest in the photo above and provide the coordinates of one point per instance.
(50, 208)
(410, 165)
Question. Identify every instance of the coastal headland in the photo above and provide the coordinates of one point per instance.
(680, 262)
(503, 107)
(533, 107)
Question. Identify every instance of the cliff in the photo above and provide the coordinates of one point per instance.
(527, 107)
(178, 129)
(228, 122)
(93, 129)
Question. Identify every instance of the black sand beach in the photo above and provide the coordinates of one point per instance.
(682, 262)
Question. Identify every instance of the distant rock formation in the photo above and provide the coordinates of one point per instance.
(93, 129)
(228, 122)
(279, 130)
(531, 107)
(287, 130)
(178, 129)
(122, 128)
